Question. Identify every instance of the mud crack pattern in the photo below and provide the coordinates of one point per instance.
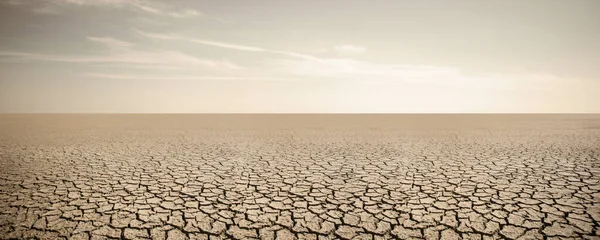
(524, 182)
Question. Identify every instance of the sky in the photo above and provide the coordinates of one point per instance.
(280, 56)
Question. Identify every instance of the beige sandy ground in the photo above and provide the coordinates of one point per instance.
(300, 176)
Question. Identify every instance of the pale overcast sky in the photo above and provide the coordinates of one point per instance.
(101, 56)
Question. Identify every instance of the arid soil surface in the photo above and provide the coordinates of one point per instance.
(300, 176)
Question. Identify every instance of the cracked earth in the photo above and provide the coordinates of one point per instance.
(281, 177)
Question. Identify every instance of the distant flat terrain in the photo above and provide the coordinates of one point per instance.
(236, 176)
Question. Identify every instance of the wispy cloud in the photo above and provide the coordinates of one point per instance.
(46, 10)
(350, 69)
(123, 52)
(222, 44)
(185, 77)
(353, 69)
(151, 7)
(201, 41)
(304, 65)
(309, 67)
(111, 42)
(13, 2)
(348, 49)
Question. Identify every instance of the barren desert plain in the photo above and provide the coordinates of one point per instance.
(295, 176)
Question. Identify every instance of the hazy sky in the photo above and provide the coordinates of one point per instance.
(299, 56)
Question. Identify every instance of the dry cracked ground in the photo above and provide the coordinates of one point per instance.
(300, 176)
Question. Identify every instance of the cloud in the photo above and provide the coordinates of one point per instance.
(201, 41)
(185, 13)
(46, 10)
(183, 77)
(227, 45)
(309, 67)
(111, 42)
(350, 68)
(13, 2)
(349, 49)
(123, 52)
(151, 7)
(355, 70)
